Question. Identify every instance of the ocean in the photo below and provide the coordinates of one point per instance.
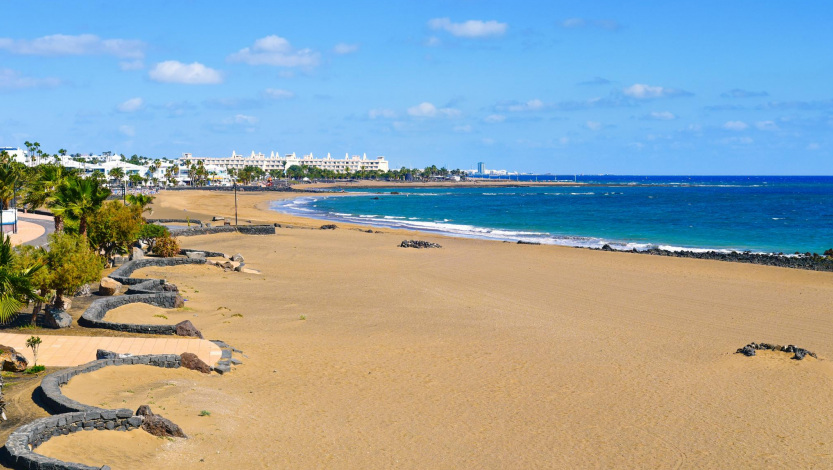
(767, 214)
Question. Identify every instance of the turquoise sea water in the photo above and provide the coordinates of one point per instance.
(764, 214)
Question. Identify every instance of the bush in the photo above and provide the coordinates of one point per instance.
(34, 370)
(829, 253)
(166, 246)
(150, 232)
(70, 264)
(114, 228)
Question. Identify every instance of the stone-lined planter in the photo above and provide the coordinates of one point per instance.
(122, 274)
(19, 453)
(93, 317)
(51, 385)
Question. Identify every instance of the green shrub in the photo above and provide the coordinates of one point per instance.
(150, 232)
(34, 369)
(166, 246)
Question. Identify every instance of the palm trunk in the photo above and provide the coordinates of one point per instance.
(82, 226)
(37, 308)
(59, 298)
(59, 223)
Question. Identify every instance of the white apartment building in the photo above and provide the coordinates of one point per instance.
(277, 162)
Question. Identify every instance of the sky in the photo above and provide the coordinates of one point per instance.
(588, 87)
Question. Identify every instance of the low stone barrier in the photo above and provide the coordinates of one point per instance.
(208, 254)
(74, 416)
(93, 317)
(244, 229)
(122, 274)
(19, 450)
(57, 402)
(175, 221)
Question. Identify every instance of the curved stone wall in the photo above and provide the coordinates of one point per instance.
(208, 254)
(122, 274)
(74, 416)
(51, 385)
(93, 317)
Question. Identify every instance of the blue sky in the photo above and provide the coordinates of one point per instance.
(649, 87)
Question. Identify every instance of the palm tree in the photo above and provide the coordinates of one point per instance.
(16, 287)
(140, 200)
(41, 191)
(117, 174)
(79, 198)
(10, 180)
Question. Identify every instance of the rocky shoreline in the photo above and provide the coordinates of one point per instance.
(809, 261)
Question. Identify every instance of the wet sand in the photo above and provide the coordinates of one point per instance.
(480, 354)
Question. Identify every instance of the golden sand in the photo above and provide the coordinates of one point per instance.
(478, 355)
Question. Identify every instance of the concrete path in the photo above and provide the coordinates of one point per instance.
(33, 229)
(67, 351)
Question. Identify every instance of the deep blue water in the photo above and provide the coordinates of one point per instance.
(757, 213)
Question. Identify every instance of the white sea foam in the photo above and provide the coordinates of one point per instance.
(305, 207)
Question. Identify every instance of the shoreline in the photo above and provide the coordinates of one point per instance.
(808, 261)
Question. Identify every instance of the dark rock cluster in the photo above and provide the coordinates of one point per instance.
(798, 353)
(418, 244)
(329, 227)
(158, 426)
(809, 261)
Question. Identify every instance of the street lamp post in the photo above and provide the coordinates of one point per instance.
(235, 203)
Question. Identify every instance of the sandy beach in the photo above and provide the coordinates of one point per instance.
(481, 354)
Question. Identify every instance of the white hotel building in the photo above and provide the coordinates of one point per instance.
(275, 162)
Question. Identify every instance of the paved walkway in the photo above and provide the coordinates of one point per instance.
(33, 229)
(67, 351)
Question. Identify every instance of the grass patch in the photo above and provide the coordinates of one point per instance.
(185, 309)
(302, 317)
(34, 370)
(205, 413)
(237, 315)
(159, 315)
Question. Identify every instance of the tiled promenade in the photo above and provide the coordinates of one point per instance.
(66, 351)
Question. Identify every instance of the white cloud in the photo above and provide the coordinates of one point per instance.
(132, 65)
(736, 141)
(343, 48)
(433, 41)
(766, 126)
(131, 105)
(381, 113)
(278, 94)
(594, 125)
(462, 129)
(242, 119)
(82, 44)
(11, 79)
(495, 118)
(735, 126)
(276, 51)
(641, 91)
(428, 110)
(470, 28)
(531, 105)
(575, 23)
(660, 116)
(172, 71)
(129, 131)
(813, 146)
